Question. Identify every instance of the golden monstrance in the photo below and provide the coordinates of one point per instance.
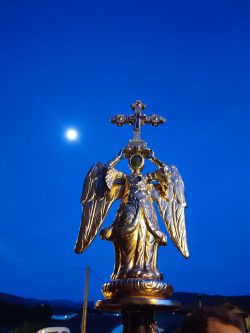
(136, 286)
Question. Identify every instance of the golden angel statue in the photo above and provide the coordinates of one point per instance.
(134, 232)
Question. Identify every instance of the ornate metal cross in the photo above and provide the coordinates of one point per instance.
(137, 119)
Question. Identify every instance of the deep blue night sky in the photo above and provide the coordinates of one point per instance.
(75, 64)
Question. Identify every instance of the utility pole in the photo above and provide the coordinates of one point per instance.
(85, 302)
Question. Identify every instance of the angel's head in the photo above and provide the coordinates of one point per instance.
(136, 163)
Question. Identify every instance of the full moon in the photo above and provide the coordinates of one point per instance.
(71, 134)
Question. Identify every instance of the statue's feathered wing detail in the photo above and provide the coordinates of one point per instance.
(96, 200)
(170, 198)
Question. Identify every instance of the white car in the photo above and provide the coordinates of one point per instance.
(54, 330)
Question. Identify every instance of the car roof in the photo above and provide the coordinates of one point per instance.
(53, 329)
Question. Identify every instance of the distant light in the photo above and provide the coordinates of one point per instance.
(64, 317)
(71, 134)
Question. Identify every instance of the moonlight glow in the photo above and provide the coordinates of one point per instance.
(71, 134)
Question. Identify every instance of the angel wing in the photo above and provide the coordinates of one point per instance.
(96, 200)
(169, 196)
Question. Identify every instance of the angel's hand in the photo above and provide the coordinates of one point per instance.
(151, 155)
(161, 238)
(106, 233)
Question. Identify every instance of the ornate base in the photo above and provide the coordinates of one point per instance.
(137, 312)
(136, 288)
(118, 304)
(137, 300)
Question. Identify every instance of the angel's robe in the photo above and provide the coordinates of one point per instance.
(135, 231)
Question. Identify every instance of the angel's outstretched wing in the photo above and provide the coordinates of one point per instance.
(96, 200)
(170, 198)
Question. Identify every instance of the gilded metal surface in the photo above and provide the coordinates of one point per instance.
(135, 232)
(117, 304)
(136, 288)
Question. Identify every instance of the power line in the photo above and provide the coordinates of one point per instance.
(96, 275)
(41, 265)
(46, 266)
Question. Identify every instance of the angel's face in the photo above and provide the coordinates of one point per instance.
(136, 163)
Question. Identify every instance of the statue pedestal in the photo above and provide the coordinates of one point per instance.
(137, 312)
(137, 288)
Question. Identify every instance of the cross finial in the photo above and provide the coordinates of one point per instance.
(137, 119)
(138, 106)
